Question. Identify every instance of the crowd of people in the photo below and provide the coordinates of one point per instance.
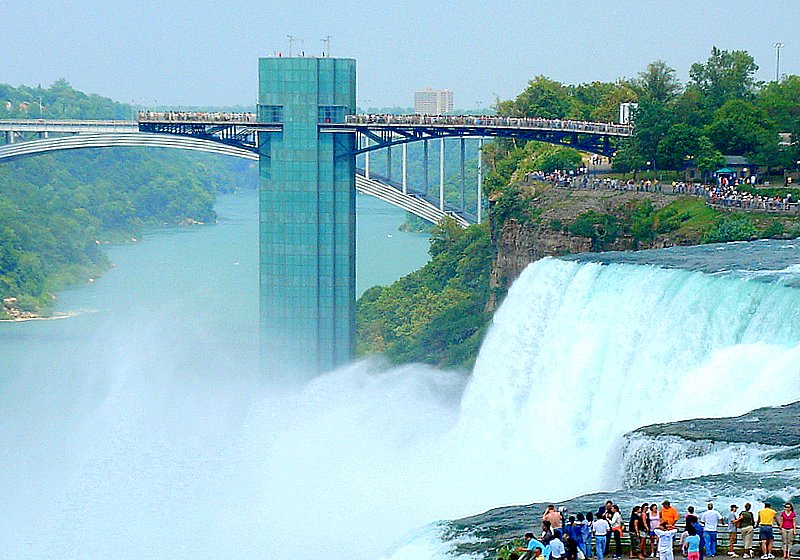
(195, 116)
(653, 532)
(724, 192)
(510, 122)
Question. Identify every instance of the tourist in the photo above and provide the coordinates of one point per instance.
(733, 515)
(553, 517)
(653, 522)
(533, 548)
(710, 520)
(787, 524)
(765, 519)
(547, 532)
(644, 529)
(571, 546)
(600, 530)
(746, 523)
(616, 530)
(666, 537)
(635, 531)
(692, 543)
(557, 550)
(586, 529)
(669, 514)
(574, 529)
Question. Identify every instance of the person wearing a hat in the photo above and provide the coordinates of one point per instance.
(733, 515)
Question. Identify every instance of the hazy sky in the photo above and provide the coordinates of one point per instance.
(203, 52)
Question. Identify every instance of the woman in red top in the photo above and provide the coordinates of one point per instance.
(787, 528)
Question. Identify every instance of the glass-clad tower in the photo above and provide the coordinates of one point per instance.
(306, 214)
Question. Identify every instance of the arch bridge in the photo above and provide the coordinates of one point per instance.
(237, 134)
(306, 137)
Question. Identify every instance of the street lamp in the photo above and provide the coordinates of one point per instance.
(778, 47)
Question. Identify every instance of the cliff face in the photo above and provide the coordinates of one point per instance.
(520, 243)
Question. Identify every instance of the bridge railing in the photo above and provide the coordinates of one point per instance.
(492, 121)
(195, 116)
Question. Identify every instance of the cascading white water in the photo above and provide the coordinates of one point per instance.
(650, 460)
(580, 353)
(146, 459)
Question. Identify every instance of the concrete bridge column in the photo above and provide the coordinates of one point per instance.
(441, 174)
(480, 180)
(405, 168)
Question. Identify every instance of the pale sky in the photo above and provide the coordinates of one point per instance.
(200, 52)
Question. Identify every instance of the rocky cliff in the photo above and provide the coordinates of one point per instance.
(543, 231)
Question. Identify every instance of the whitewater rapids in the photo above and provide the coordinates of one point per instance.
(139, 459)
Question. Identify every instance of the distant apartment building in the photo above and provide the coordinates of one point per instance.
(433, 101)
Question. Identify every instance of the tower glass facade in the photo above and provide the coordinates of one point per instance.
(307, 214)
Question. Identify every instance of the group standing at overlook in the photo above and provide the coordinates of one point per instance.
(723, 192)
(653, 532)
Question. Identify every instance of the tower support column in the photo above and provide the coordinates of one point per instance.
(306, 215)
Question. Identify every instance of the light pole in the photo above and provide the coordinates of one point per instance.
(778, 47)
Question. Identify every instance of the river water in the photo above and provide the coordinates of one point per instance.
(143, 429)
(128, 393)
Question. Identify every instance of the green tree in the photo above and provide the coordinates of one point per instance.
(543, 97)
(658, 83)
(726, 75)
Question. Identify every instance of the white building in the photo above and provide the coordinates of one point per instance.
(625, 111)
(433, 101)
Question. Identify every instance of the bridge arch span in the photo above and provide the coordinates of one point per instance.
(371, 187)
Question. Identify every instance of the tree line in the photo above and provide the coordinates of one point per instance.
(57, 210)
(722, 109)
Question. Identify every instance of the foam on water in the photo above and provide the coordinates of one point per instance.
(138, 456)
(580, 353)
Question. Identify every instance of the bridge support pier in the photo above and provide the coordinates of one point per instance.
(479, 197)
(441, 174)
(405, 168)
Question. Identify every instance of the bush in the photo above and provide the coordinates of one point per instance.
(735, 227)
(602, 229)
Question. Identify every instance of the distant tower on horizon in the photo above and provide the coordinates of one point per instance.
(433, 101)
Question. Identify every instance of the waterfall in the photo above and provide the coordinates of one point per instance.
(653, 460)
(582, 352)
(133, 454)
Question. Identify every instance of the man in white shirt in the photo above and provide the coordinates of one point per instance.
(600, 530)
(710, 520)
(557, 550)
(665, 539)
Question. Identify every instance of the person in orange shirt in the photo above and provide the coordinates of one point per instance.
(669, 514)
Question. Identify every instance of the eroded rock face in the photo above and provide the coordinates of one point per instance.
(519, 244)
